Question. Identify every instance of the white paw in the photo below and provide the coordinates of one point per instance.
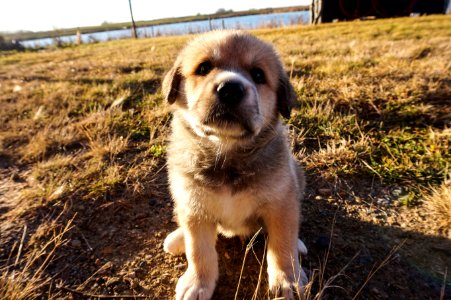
(301, 247)
(174, 243)
(191, 287)
(283, 286)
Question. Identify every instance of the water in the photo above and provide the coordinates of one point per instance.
(243, 22)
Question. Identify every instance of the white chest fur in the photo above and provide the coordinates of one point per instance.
(232, 212)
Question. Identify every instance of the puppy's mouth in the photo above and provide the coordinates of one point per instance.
(227, 122)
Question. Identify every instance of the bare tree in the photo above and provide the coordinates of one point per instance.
(133, 21)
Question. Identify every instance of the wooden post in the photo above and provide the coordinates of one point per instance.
(134, 35)
(312, 12)
(78, 40)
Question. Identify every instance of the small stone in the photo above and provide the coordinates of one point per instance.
(112, 280)
(325, 192)
(226, 255)
(381, 201)
(397, 191)
(375, 290)
(398, 203)
(372, 212)
(380, 294)
(75, 243)
(107, 250)
(381, 216)
(134, 284)
(343, 194)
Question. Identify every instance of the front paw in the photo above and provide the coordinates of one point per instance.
(282, 287)
(191, 287)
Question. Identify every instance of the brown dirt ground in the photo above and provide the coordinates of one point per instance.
(115, 245)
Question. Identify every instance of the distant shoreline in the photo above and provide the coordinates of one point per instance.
(30, 35)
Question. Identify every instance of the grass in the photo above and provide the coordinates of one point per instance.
(86, 124)
(438, 203)
(377, 99)
(25, 278)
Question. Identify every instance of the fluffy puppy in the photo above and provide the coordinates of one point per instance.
(229, 163)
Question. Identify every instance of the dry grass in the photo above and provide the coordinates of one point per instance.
(438, 205)
(318, 277)
(23, 276)
(87, 125)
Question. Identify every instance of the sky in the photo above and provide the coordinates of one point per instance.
(38, 15)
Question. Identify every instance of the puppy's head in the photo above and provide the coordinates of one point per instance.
(229, 85)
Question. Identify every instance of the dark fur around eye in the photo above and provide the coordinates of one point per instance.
(204, 68)
(258, 76)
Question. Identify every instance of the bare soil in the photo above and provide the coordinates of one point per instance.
(115, 246)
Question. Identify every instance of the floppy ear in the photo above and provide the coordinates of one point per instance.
(171, 83)
(286, 97)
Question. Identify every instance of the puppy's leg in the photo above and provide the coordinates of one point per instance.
(174, 243)
(199, 280)
(284, 272)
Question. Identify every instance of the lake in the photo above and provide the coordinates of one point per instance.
(241, 22)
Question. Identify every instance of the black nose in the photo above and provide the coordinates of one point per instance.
(230, 92)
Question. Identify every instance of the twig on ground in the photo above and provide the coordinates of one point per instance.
(248, 248)
(442, 290)
(19, 252)
(88, 295)
(382, 264)
(260, 274)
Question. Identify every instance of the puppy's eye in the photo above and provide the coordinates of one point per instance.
(204, 68)
(258, 76)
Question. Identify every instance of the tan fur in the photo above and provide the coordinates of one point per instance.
(230, 168)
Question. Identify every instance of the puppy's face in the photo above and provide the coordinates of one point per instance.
(228, 86)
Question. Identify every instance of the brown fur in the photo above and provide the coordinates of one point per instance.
(230, 168)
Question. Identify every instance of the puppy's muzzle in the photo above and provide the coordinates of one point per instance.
(230, 112)
(231, 92)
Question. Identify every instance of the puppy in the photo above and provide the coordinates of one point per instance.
(229, 163)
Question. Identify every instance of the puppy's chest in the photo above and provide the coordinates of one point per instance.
(233, 176)
(233, 211)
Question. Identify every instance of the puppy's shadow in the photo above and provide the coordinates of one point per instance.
(347, 258)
